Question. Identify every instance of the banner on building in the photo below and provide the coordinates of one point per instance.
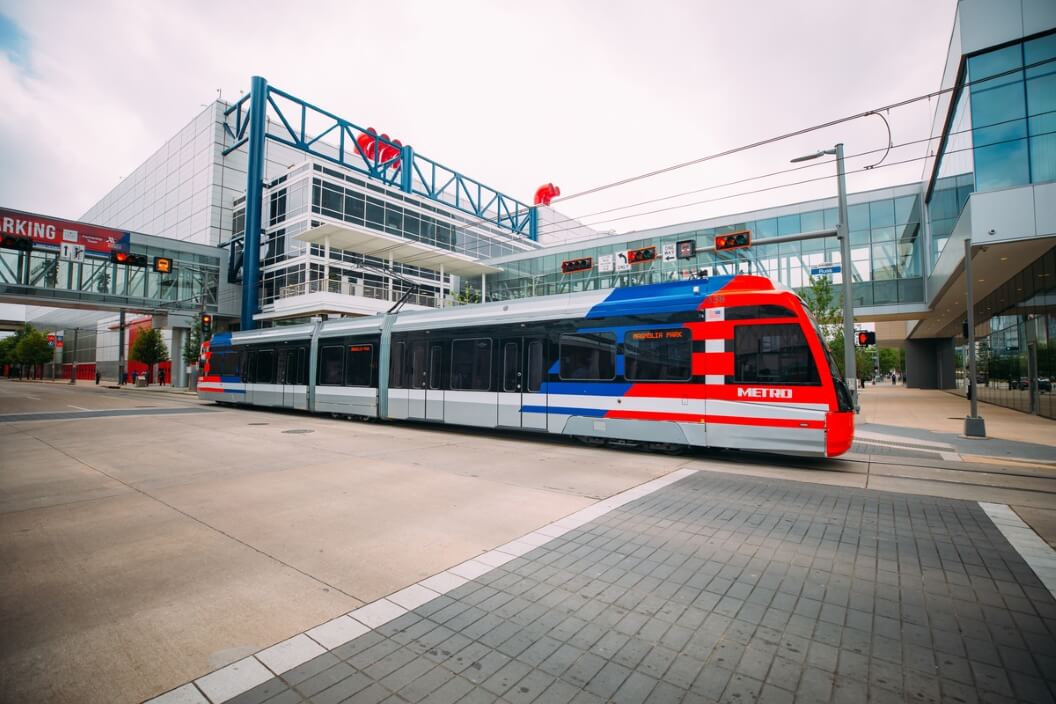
(48, 232)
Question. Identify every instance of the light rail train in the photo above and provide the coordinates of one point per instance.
(728, 361)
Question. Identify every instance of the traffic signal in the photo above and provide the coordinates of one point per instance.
(572, 265)
(128, 259)
(866, 338)
(23, 244)
(638, 256)
(206, 321)
(734, 240)
(163, 265)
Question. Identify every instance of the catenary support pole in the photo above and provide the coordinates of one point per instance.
(974, 425)
(254, 196)
(850, 375)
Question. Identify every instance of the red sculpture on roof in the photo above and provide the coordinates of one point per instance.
(545, 193)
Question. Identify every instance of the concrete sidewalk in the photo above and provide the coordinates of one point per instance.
(941, 412)
(714, 588)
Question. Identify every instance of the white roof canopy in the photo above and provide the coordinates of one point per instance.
(380, 245)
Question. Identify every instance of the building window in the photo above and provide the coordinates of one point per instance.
(588, 356)
(658, 355)
(359, 365)
(471, 365)
(331, 360)
(265, 367)
(772, 354)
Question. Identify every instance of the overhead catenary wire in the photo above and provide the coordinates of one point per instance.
(814, 164)
(804, 181)
(798, 132)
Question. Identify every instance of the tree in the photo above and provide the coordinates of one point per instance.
(467, 295)
(192, 348)
(7, 350)
(149, 348)
(33, 349)
(820, 299)
(863, 359)
(889, 359)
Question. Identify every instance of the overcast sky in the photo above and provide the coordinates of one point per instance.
(513, 94)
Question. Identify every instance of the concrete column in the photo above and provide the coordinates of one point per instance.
(483, 287)
(179, 367)
(326, 264)
(441, 286)
(121, 349)
(390, 276)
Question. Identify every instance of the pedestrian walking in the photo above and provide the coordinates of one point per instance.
(161, 377)
(98, 376)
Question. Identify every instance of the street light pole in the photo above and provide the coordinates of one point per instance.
(850, 373)
(974, 425)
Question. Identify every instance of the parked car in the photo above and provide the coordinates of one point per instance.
(1045, 384)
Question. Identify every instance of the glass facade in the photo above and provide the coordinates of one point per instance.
(885, 251)
(1016, 349)
(312, 194)
(1002, 133)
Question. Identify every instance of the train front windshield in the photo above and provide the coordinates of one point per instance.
(844, 402)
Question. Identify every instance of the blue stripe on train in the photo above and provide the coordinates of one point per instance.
(566, 411)
(673, 297)
(584, 388)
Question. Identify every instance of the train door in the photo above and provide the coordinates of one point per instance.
(434, 394)
(287, 376)
(533, 397)
(417, 376)
(511, 378)
(521, 403)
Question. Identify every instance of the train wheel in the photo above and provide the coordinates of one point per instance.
(592, 441)
(667, 448)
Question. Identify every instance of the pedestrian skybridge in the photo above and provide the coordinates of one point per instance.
(71, 265)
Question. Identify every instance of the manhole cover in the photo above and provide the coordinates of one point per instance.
(298, 431)
(258, 423)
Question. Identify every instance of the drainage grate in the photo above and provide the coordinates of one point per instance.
(298, 431)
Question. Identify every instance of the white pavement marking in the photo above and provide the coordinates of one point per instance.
(245, 674)
(948, 456)
(413, 596)
(1038, 554)
(293, 652)
(900, 439)
(33, 398)
(187, 694)
(79, 408)
(951, 456)
(236, 678)
(337, 632)
(377, 613)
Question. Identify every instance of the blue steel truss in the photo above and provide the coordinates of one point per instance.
(340, 142)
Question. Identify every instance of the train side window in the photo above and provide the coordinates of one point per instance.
(772, 354)
(658, 355)
(436, 357)
(471, 365)
(535, 366)
(331, 361)
(396, 366)
(588, 356)
(767, 310)
(250, 365)
(266, 367)
(510, 367)
(359, 365)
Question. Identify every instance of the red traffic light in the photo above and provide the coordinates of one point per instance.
(572, 265)
(128, 259)
(866, 338)
(638, 256)
(734, 240)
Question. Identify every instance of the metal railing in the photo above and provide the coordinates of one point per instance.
(347, 288)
